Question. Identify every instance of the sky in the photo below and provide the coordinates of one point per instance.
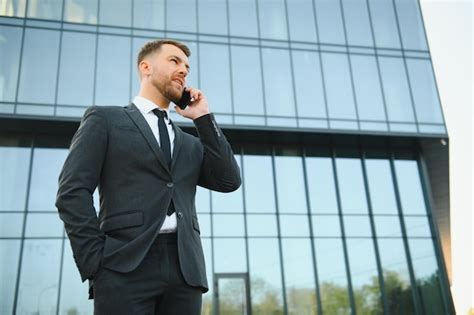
(449, 29)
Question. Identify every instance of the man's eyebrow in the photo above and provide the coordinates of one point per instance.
(181, 60)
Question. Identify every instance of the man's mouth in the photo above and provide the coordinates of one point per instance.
(179, 81)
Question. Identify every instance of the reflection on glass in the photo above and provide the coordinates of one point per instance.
(272, 17)
(278, 83)
(409, 186)
(243, 18)
(351, 185)
(382, 193)
(149, 14)
(290, 184)
(115, 12)
(232, 296)
(10, 51)
(45, 9)
(299, 276)
(10, 253)
(411, 24)
(321, 186)
(76, 82)
(229, 255)
(14, 165)
(328, 16)
(181, 15)
(81, 11)
(228, 225)
(207, 298)
(417, 226)
(258, 182)
(265, 276)
(212, 17)
(13, 8)
(261, 225)
(39, 66)
(384, 23)
(38, 292)
(356, 17)
(47, 164)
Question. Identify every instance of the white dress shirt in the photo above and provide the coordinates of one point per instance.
(146, 108)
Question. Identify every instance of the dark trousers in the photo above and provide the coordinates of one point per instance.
(156, 287)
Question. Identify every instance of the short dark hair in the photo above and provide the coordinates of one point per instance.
(155, 45)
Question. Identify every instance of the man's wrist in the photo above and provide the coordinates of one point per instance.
(201, 115)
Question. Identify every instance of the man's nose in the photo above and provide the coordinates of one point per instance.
(183, 70)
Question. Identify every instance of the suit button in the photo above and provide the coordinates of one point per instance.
(170, 185)
(180, 215)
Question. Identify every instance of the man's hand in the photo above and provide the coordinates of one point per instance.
(198, 106)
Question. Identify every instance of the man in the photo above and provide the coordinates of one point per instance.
(143, 253)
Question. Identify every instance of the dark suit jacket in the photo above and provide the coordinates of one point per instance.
(115, 149)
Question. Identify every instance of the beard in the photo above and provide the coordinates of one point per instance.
(168, 89)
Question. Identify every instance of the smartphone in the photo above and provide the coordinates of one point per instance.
(185, 100)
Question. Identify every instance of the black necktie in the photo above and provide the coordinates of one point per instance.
(165, 144)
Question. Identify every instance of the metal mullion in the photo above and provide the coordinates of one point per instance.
(96, 55)
(20, 62)
(261, 64)
(61, 31)
(229, 47)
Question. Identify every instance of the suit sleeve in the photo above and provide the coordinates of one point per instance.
(219, 169)
(77, 181)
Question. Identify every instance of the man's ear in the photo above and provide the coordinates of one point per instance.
(144, 68)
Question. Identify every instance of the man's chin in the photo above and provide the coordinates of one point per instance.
(174, 95)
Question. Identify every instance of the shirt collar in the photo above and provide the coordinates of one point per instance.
(146, 106)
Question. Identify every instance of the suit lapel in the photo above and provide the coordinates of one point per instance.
(144, 128)
(178, 141)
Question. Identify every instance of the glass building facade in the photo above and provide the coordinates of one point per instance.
(334, 115)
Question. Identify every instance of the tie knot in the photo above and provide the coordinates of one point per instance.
(160, 113)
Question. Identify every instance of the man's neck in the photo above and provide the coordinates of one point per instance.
(155, 96)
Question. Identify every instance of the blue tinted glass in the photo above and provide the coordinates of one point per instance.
(149, 14)
(258, 182)
(14, 167)
(384, 23)
(357, 21)
(212, 16)
(411, 24)
(338, 86)
(357, 226)
(76, 69)
(181, 15)
(261, 225)
(425, 93)
(115, 12)
(294, 225)
(9, 63)
(243, 18)
(321, 186)
(113, 71)
(202, 200)
(230, 255)
(43, 225)
(387, 226)
(301, 20)
(215, 76)
(228, 225)
(395, 85)
(13, 8)
(329, 19)
(10, 253)
(367, 87)
(11, 224)
(45, 9)
(39, 66)
(308, 84)
(278, 83)
(382, 193)
(290, 184)
(326, 226)
(81, 11)
(272, 17)
(409, 186)
(351, 185)
(247, 82)
(417, 226)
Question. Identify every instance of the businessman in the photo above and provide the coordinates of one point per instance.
(142, 254)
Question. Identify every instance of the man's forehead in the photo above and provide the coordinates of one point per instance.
(171, 50)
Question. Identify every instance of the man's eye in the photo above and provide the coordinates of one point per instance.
(174, 60)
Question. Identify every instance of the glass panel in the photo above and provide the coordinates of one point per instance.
(356, 17)
(11, 224)
(228, 202)
(395, 85)
(272, 17)
(9, 63)
(149, 14)
(294, 225)
(326, 226)
(367, 87)
(308, 84)
(38, 293)
(321, 186)
(427, 275)
(265, 275)
(351, 185)
(10, 253)
(232, 296)
(228, 225)
(39, 66)
(43, 225)
(364, 275)
(113, 70)
(357, 226)
(290, 184)
(14, 166)
(382, 194)
(207, 304)
(338, 86)
(328, 16)
(301, 20)
(332, 276)
(411, 24)
(243, 18)
(81, 11)
(384, 23)
(299, 276)
(387, 226)
(215, 76)
(409, 186)
(261, 225)
(181, 15)
(202, 200)
(425, 93)
(45, 9)
(247, 82)
(278, 83)
(115, 12)
(13, 8)
(230, 255)
(212, 17)
(396, 277)
(258, 182)
(47, 164)
(417, 226)
(76, 70)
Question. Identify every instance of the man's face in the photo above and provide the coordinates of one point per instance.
(168, 70)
